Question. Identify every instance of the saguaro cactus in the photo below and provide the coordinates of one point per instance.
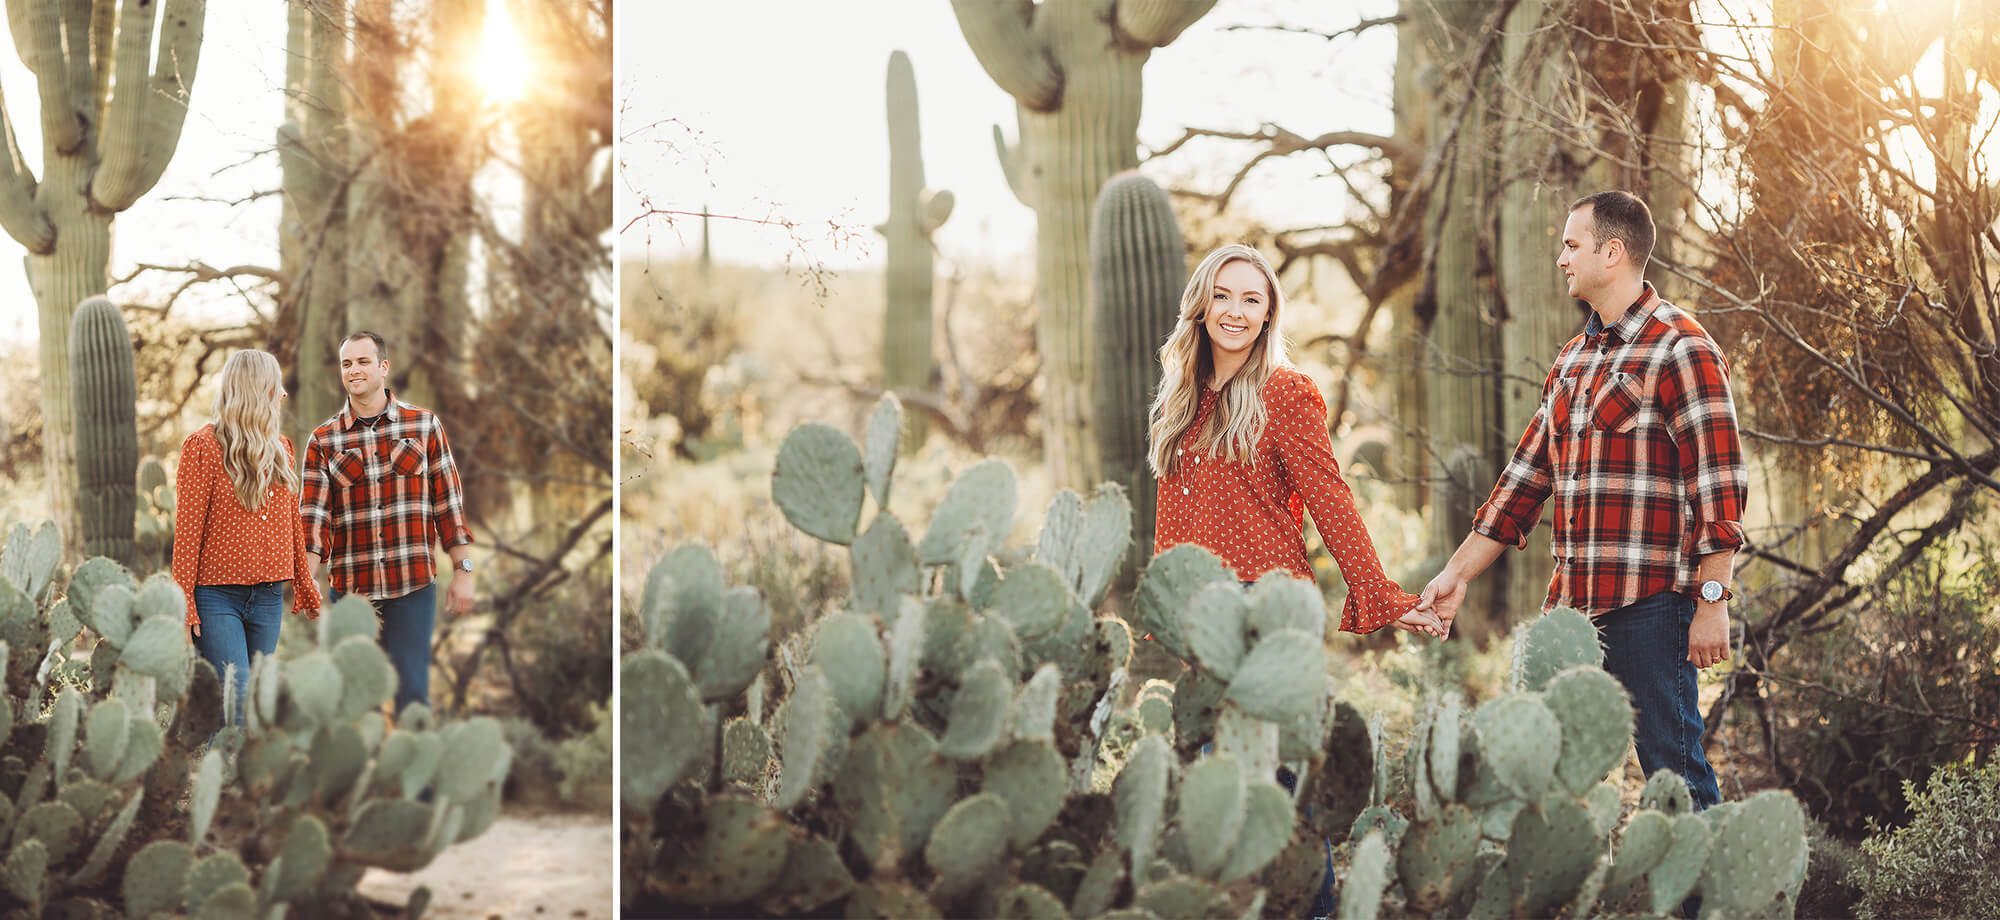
(107, 432)
(312, 243)
(111, 117)
(914, 213)
(1138, 266)
(1074, 70)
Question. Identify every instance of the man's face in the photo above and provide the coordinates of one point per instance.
(362, 370)
(1585, 264)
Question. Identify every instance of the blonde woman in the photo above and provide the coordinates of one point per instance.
(237, 535)
(1240, 447)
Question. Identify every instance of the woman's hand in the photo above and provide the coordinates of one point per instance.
(194, 631)
(1420, 621)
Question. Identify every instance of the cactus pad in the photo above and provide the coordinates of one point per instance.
(1279, 601)
(1035, 705)
(1677, 873)
(1552, 849)
(1557, 641)
(662, 712)
(1214, 627)
(1167, 587)
(968, 842)
(884, 568)
(851, 656)
(1140, 795)
(1667, 794)
(813, 876)
(1367, 879)
(1517, 734)
(1435, 859)
(105, 735)
(1280, 677)
(885, 429)
(1033, 600)
(818, 482)
(156, 876)
(741, 851)
(1214, 801)
(1596, 721)
(1267, 828)
(981, 498)
(978, 712)
(893, 788)
(1029, 777)
(1758, 849)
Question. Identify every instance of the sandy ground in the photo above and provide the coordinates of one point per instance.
(550, 865)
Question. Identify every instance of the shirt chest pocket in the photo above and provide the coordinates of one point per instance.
(403, 458)
(1620, 399)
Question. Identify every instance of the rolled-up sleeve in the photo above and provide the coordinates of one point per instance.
(1511, 512)
(447, 495)
(1701, 418)
(314, 498)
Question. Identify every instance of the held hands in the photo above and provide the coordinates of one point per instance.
(1422, 622)
(1442, 596)
(1708, 635)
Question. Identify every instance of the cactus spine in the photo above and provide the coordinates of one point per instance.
(915, 212)
(1074, 69)
(1138, 266)
(107, 432)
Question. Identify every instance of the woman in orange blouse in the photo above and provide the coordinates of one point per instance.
(1240, 446)
(237, 536)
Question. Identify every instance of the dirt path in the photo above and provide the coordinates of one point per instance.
(548, 865)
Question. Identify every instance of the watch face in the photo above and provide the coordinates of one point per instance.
(1711, 591)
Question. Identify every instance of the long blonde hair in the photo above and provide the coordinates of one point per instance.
(1186, 363)
(246, 425)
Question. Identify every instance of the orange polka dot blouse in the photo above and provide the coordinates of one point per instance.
(219, 542)
(1251, 516)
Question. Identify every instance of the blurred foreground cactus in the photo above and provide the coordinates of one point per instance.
(951, 741)
(286, 810)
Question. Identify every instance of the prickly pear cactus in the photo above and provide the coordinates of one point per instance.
(117, 789)
(107, 432)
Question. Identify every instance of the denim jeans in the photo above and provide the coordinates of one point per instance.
(407, 623)
(238, 621)
(1646, 648)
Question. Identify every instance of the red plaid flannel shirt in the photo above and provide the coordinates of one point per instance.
(1636, 442)
(376, 498)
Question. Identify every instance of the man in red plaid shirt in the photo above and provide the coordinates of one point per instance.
(1635, 442)
(380, 488)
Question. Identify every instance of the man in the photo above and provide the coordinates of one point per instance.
(379, 489)
(1636, 441)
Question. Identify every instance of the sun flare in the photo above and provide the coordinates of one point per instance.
(503, 59)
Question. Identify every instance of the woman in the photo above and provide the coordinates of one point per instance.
(1239, 444)
(237, 536)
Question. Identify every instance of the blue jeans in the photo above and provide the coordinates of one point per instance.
(238, 621)
(407, 623)
(1646, 648)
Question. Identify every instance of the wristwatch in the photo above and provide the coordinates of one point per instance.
(464, 565)
(1713, 591)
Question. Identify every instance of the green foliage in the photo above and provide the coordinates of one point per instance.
(941, 736)
(1941, 863)
(915, 213)
(116, 789)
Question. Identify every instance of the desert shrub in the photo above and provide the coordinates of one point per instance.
(1874, 705)
(1941, 863)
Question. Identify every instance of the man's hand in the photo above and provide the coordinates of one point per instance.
(1442, 597)
(1708, 635)
(1423, 622)
(458, 597)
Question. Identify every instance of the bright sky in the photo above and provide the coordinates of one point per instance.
(234, 114)
(778, 108)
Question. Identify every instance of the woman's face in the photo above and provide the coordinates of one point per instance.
(1237, 307)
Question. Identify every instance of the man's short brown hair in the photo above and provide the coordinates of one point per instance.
(381, 347)
(1620, 215)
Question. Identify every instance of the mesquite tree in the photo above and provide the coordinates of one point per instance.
(111, 116)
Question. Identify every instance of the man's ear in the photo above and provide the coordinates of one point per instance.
(1614, 252)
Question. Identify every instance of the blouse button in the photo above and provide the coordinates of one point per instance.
(1184, 490)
